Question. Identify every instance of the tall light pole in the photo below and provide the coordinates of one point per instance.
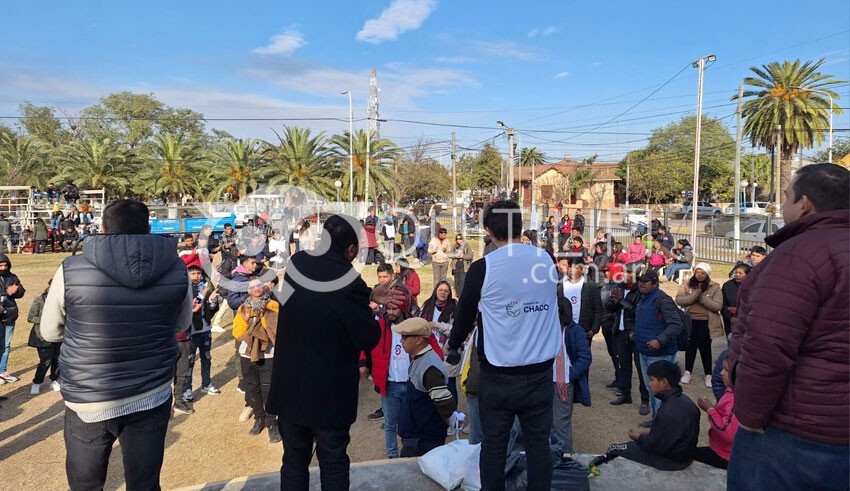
(510, 176)
(368, 151)
(350, 154)
(816, 91)
(699, 64)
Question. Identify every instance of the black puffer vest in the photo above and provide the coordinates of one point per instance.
(122, 300)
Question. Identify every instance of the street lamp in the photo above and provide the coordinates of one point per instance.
(816, 91)
(338, 185)
(350, 154)
(510, 176)
(699, 64)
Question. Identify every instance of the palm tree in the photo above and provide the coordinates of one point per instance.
(381, 153)
(532, 156)
(301, 160)
(783, 95)
(240, 166)
(178, 166)
(97, 162)
(20, 157)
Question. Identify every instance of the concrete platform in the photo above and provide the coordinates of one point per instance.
(618, 475)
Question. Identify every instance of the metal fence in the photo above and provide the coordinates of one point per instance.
(707, 247)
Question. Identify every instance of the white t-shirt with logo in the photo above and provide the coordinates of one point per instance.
(572, 292)
(399, 360)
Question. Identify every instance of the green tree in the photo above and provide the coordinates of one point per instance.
(239, 168)
(123, 117)
(781, 94)
(840, 148)
(656, 177)
(758, 167)
(485, 169)
(423, 179)
(98, 164)
(301, 159)
(382, 153)
(173, 166)
(20, 156)
(42, 123)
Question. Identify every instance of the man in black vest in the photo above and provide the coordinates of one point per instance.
(117, 307)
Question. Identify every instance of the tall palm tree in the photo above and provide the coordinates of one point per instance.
(381, 153)
(97, 162)
(532, 156)
(176, 166)
(20, 157)
(239, 168)
(302, 160)
(783, 94)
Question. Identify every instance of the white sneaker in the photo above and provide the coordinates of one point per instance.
(35, 389)
(8, 378)
(210, 390)
(708, 381)
(686, 377)
(55, 386)
(216, 328)
(246, 414)
(187, 395)
(450, 431)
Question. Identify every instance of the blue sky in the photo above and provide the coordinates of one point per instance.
(565, 74)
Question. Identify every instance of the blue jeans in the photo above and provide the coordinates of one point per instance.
(671, 270)
(4, 360)
(391, 404)
(201, 346)
(777, 460)
(473, 419)
(645, 361)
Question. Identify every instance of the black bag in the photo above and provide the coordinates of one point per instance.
(685, 338)
(570, 475)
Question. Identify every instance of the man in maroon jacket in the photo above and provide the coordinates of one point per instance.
(790, 347)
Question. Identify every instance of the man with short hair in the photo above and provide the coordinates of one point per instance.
(658, 327)
(578, 222)
(438, 248)
(117, 307)
(514, 289)
(584, 297)
(324, 323)
(790, 347)
(665, 237)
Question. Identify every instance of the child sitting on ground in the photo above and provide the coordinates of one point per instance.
(724, 425)
(427, 403)
(672, 442)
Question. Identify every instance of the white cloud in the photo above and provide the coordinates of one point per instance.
(508, 49)
(455, 59)
(399, 17)
(542, 31)
(283, 44)
(562, 74)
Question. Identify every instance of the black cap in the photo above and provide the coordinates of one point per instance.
(649, 275)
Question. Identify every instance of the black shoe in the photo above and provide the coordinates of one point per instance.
(274, 433)
(620, 400)
(259, 424)
(612, 385)
(646, 424)
(644, 408)
(377, 415)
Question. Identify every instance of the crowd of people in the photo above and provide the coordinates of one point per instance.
(510, 332)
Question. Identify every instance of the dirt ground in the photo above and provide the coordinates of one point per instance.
(211, 444)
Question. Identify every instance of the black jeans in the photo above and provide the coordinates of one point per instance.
(331, 445)
(142, 437)
(700, 341)
(502, 397)
(256, 380)
(415, 447)
(48, 358)
(708, 456)
(628, 357)
(182, 372)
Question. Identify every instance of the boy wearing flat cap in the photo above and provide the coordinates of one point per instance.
(427, 404)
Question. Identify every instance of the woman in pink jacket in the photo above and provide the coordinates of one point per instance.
(723, 425)
(637, 250)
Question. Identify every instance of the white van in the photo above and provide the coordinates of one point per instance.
(244, 213)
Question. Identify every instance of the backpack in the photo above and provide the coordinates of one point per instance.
(685, 338)
(656, 260)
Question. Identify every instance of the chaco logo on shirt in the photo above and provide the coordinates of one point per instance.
(513, 308)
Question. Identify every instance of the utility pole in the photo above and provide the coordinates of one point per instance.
(521, 187)
(700, 65)
(350, 154)
(510, 133)
(368, 148)
(454, 181)
(777, 167)
(628, 161)
(738, 136)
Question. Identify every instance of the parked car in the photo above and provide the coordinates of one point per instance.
(720, 226)
(244, 214)
(757, 230)
(757, 208)
(704, 209)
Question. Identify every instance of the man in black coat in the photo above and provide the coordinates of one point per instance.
(323, 325)
(583, 294)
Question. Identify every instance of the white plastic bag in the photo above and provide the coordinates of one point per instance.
(446, 464)
(472, 475)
